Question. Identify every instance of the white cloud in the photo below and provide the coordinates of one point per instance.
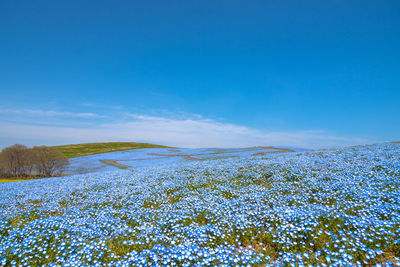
(193, 132)
(50, 113)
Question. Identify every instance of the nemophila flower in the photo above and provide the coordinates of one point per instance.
(336, 207)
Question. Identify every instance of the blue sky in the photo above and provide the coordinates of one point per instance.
(200, 73)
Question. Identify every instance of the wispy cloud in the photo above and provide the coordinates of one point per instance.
(49, 113)
(195, 131)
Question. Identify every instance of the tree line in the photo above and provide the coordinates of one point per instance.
(39, 161)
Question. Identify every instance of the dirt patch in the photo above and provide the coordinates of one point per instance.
(189, 157)
(279, 150)
(139, 159)
(113, 162)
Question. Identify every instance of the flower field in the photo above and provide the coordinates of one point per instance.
(159, 156)
(329, 207)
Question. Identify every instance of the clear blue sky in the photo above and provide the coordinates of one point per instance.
(323, 72)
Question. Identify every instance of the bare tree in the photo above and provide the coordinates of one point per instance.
(49, 161)
(29, 162)
(3, 169)
(21, 161)
(15, 160)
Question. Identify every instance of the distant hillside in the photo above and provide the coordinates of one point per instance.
(78, 150)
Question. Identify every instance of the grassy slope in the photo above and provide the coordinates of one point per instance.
(78, 150)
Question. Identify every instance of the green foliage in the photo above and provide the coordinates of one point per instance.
(151, 204)
(228, 194)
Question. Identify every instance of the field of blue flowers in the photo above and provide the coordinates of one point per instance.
(156, 156)
(328, 207)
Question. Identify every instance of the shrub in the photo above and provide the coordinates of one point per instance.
(20, 161)
(16, 160)
(49, 161)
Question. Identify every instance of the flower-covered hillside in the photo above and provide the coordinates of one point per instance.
(333, 207)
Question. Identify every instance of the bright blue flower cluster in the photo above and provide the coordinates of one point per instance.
(329, 207)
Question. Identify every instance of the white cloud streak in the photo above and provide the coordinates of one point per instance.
(193, 132)
(49, 113)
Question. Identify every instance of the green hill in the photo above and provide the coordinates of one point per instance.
(78, 150)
